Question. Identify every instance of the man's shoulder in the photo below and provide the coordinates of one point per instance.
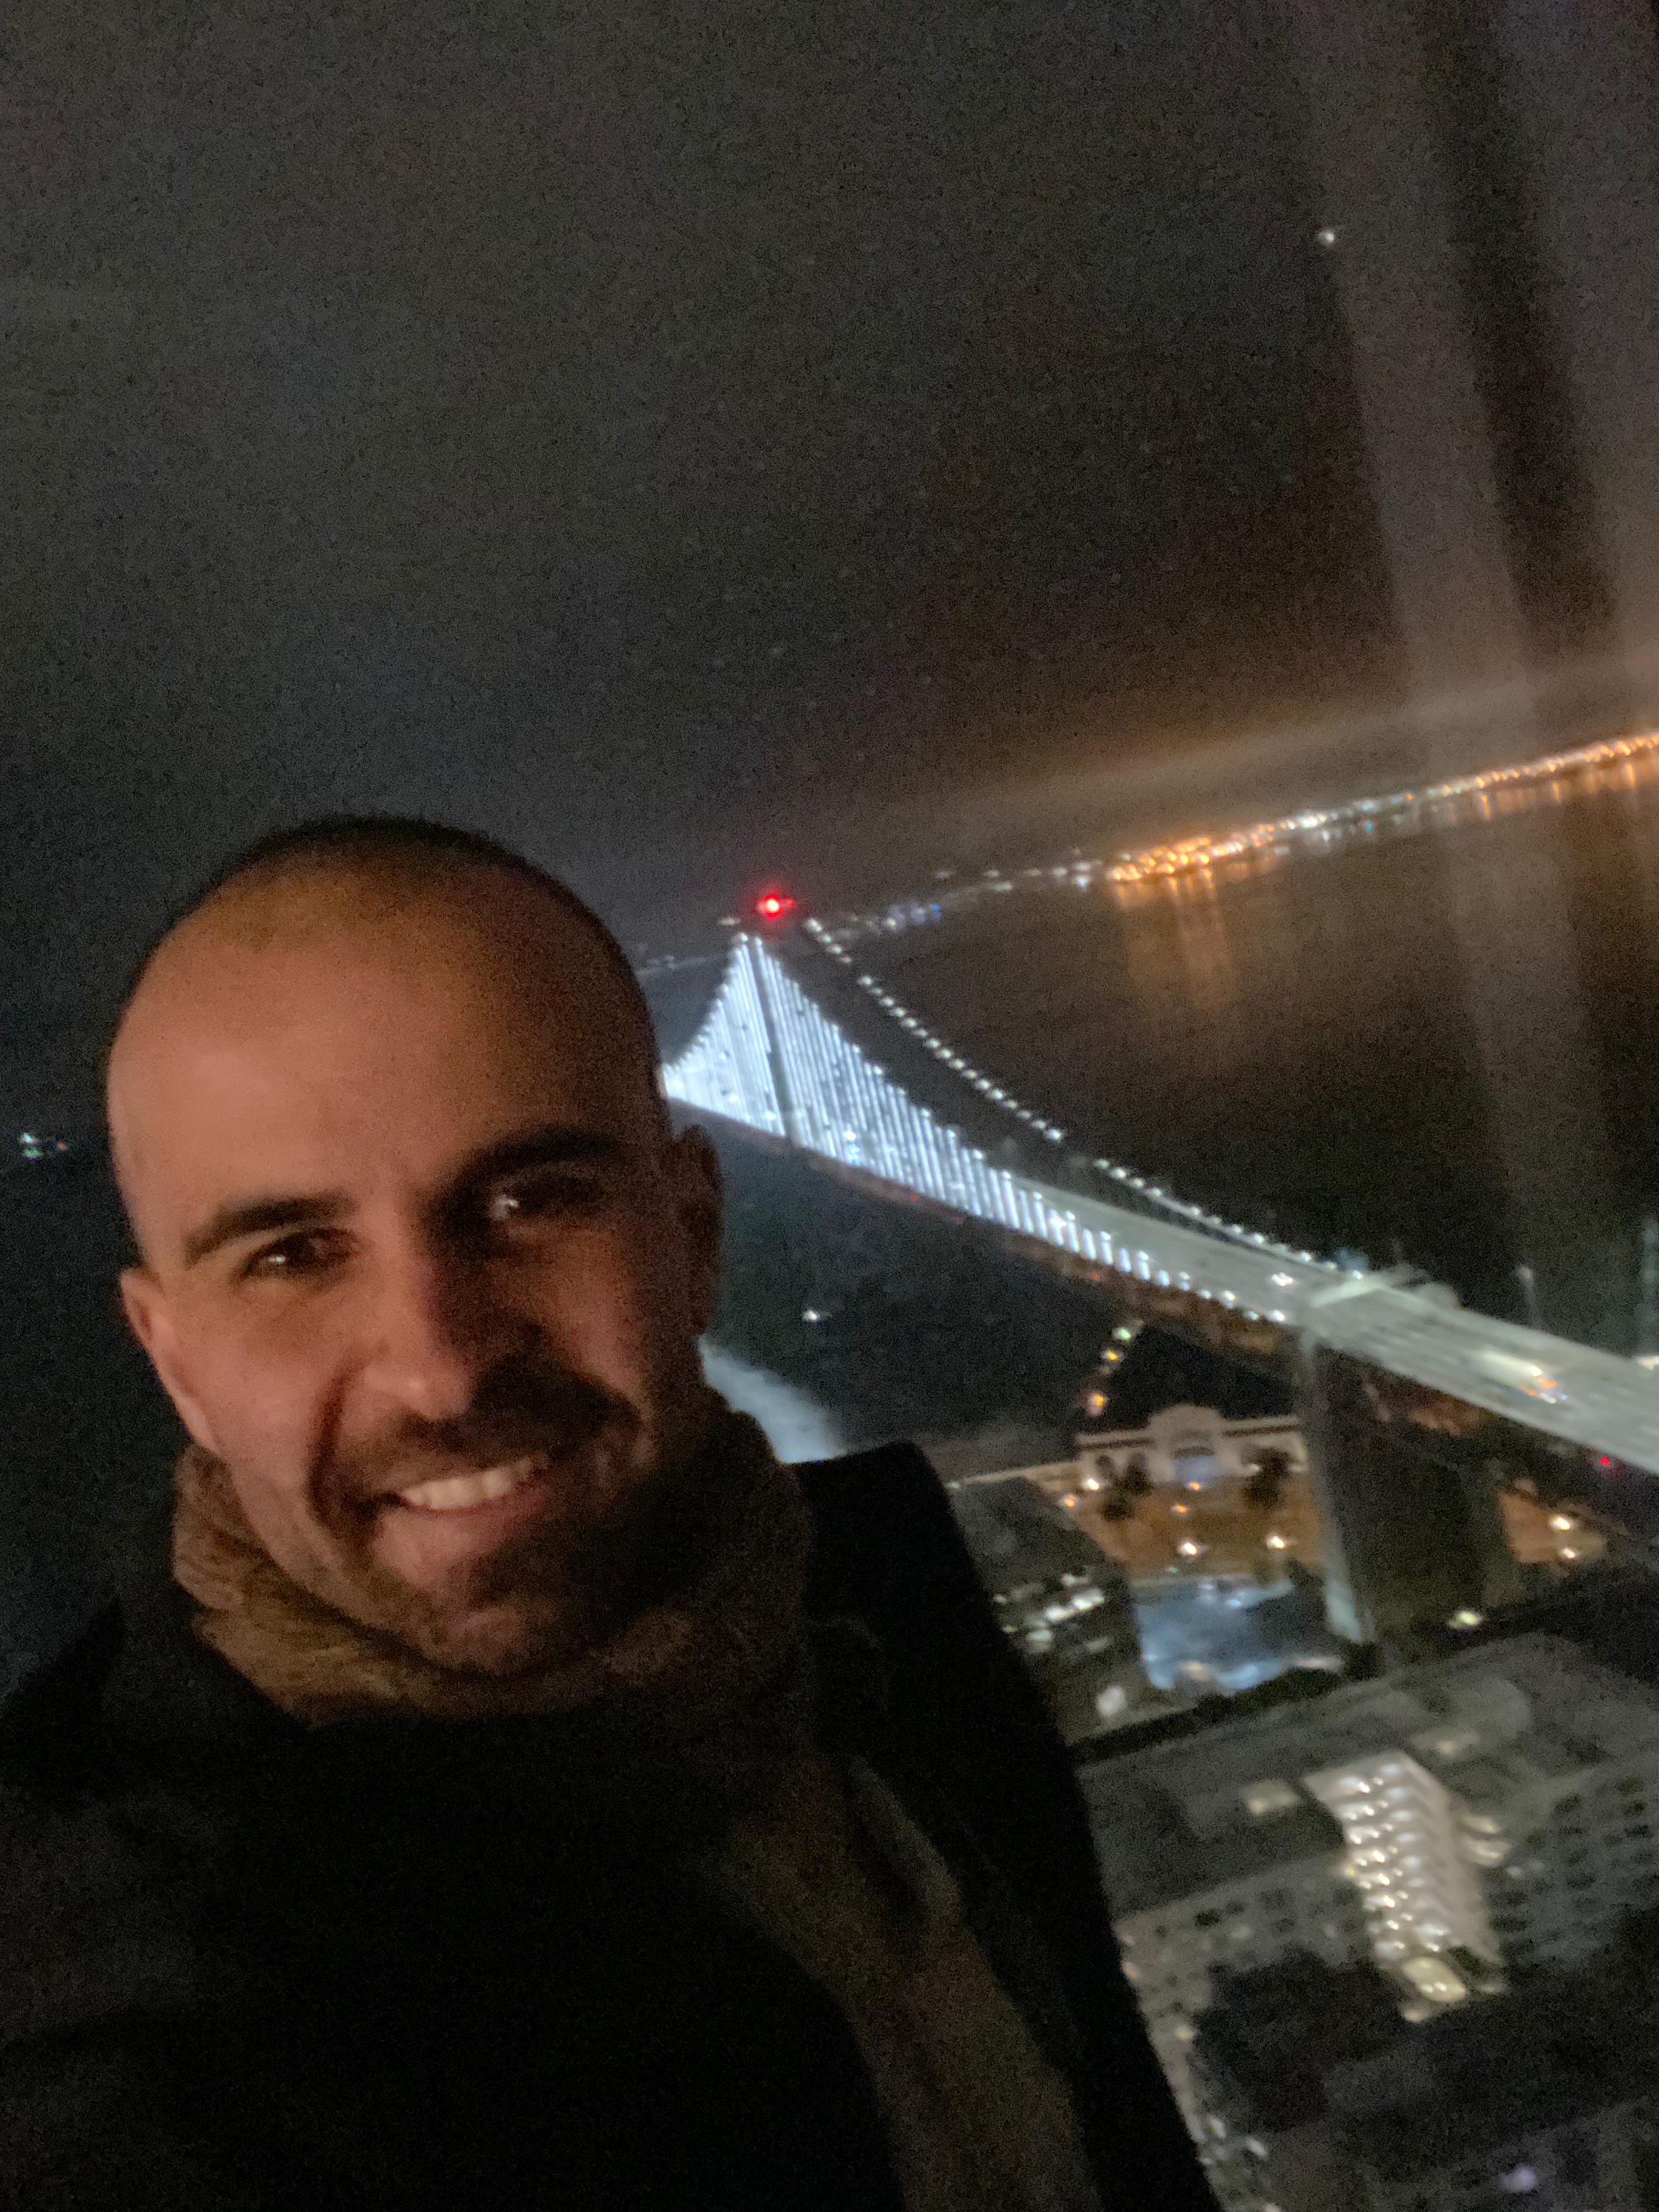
(128, 1693)
(888, 1552)
(96, 1905)
(866, 1504)
(893, 1486)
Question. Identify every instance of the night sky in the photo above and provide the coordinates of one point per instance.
(692, 441)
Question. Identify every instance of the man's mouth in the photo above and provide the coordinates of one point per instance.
(463, 1493)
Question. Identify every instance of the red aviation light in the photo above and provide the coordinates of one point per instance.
(775, 905)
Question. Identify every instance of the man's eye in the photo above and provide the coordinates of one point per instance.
(306, 1252)
(540, 1198)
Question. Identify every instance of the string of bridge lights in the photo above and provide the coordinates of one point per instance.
(943, 1050)
(767, 1056)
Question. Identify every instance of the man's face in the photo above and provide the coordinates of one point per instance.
(422, 1267)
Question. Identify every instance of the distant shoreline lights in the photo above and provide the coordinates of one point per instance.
(1194, 855)
(1154, 866)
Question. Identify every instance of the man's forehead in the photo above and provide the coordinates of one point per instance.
(474, 964)
(465, 930)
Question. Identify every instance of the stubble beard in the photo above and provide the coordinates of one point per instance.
(632, 1534)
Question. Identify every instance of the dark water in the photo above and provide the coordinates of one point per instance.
(1438, 1041)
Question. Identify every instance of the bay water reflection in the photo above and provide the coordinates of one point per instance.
(1433, 1039)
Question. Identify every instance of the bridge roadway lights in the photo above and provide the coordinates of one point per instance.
(770, 1058)
(1410, 1538)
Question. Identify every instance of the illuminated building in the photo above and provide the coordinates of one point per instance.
(1188, 1444)
(1192, 1494)
(1517, 1798)
(1412, 1846)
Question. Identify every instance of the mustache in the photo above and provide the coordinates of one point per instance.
(523, 1409)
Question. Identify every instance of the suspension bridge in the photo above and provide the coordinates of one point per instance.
(800, 1047)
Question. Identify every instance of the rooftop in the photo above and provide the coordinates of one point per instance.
(1272, 2035)
(1302, 2042)
(1015, 1535)
(1488, 2075)
(1495, 1723)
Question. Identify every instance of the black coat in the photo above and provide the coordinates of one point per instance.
(247, 1967)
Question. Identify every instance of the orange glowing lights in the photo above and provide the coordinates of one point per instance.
(1196, 855)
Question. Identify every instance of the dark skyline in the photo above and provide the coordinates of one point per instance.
(694, 442)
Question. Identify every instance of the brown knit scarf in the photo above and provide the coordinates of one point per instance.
(701, 1698)
(695, 1717)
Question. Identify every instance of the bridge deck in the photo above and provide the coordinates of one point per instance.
(770, 1058)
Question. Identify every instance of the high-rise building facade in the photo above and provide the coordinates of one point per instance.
(1493, 1813)
(1063, 1604)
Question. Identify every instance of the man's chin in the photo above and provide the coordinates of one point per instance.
(526, 1608)
(499, 1642)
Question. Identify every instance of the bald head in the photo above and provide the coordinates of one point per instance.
(387, 1124)
(356, 879)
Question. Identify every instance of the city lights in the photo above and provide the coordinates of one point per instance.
(1196, 855)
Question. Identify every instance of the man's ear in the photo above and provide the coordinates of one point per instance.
(700, 1194)
(150, 1319)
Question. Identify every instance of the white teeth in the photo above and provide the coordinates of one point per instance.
(455, 1493)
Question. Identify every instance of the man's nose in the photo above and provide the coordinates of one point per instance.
(437, 1331)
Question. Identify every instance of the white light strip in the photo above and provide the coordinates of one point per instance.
(942, 1049)
(768, 1057)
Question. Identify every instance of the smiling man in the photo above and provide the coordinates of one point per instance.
(522, 1790)
(423, 1268)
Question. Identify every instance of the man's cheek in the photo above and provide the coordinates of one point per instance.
(266, 1435)
(603, 1311)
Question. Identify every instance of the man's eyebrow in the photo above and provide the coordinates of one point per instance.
(257, 1216)
(556, 1147)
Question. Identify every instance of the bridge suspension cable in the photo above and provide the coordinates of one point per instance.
(768, 1058)
(1152, 1193)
